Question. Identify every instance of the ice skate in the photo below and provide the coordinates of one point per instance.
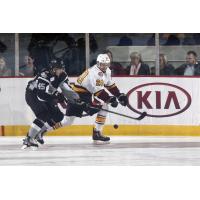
(39, 138)
(29, 143)
(99, 138)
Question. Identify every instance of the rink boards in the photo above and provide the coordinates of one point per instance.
(172, 104)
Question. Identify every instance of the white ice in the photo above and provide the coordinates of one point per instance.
(73, 151)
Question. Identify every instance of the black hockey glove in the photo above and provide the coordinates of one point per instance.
(80, 104)
(113, 102)
(59, 96)
(92, 109)
(78, 107)
(123, 99)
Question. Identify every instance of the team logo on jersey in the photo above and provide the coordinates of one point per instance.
(99, 82)
(100, 74)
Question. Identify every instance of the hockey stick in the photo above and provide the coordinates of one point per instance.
(142, 116)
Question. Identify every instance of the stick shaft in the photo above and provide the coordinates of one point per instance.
(120, 114)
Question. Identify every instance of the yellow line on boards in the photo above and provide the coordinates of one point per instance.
(123, 130)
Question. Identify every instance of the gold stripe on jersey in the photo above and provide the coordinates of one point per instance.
(100, 119)
(82, 76)
(98, 93)
(79, 89)
(110, 86)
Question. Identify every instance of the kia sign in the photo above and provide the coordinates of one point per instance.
(159, 99)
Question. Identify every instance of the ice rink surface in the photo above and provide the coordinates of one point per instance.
(76, 151)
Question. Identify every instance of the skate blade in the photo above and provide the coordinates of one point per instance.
(40, 145)
(99, 142)
(34, 148)
(24, 147)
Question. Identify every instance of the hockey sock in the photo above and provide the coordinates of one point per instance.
(99, 123)
(101, 119)
(49, 126)
(67, 120)
(35, 128)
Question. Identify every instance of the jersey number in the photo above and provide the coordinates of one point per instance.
(41, 86)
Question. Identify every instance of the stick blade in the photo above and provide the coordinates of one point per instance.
(142, 116)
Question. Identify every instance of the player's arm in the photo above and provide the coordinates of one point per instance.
(122, 98)
(114, 90)
(96, 86)
(68, 92)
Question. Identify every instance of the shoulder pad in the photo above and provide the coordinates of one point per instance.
(63, 77)
(108, 71)
(44, 74)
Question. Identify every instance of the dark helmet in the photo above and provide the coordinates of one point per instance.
(56, 63)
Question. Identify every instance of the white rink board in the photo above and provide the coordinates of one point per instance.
(14, 110)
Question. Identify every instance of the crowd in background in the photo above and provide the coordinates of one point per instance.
(191, 67)
(42, 48)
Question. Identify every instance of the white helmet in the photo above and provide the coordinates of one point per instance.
(103, 58)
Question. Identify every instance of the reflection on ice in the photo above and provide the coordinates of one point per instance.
(121, 151)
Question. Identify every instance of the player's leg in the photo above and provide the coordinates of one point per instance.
(29, 141)
(39, 109)
(99, 124)
(58, 120)
(48, 126)
(48, 117)
(55, 121)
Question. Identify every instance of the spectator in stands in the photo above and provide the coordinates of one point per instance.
(165, 68)
(41, 49)
(81, 49)
(28, 69)
(4, 70)
(137, 66)
(115, 67)
(196, 37)
(3, 47)
(191, 67)
(125, 41)
(81, 54)
(152, 71)
(173, 40)
(151, 40)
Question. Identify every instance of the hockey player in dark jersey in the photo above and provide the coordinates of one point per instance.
(42, 96)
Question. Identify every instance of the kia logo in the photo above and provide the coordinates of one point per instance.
(159, 99)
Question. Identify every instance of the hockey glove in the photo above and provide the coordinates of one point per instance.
(59, 96)
(78, 107)
(123, 100)
(80, 104)
(92, 109)
(113, 102)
